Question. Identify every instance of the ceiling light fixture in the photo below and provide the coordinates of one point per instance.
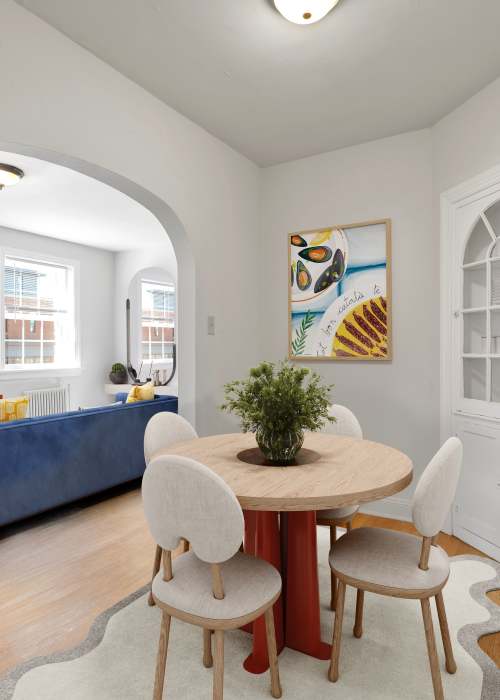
(304, 11)
(9, 175)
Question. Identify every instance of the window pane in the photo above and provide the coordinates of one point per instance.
(156, 334)
(13, 353)
(158, 320)
(168, 334)
(32, 330)
(39, 306)
(32, 353)
(13, 329)
(48, 330)
(156, 351)
(158, 300)
(49, 350)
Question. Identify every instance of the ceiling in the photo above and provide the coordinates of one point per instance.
(276, 91)
(61, 203)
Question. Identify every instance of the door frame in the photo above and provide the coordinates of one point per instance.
(451, 201)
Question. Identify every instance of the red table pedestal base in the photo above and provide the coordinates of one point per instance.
(262, 539)
(291, 547)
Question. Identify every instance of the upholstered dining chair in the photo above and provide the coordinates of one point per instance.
(214, 585)
(165, 429)
(402, 565)
(346, 423)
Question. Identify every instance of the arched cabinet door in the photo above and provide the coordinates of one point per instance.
(477, 316)
(470, 353)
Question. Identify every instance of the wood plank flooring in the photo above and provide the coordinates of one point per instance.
(59, 571)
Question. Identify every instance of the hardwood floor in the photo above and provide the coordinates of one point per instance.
(59, 571)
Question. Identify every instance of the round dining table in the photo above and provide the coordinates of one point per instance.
(279, 506)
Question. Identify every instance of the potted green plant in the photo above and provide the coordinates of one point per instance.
(277, 404)
(118, 374)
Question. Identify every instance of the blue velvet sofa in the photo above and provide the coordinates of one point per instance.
(45, 462)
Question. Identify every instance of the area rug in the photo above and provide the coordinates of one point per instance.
(117, 660)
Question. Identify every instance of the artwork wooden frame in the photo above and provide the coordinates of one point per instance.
(340, 294)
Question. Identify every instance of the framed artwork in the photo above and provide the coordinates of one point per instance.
(339, 292)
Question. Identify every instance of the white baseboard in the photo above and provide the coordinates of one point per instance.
(484, 546)
(391, 507)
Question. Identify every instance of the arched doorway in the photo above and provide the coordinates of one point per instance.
(185, 260)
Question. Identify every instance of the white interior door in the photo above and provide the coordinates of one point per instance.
(470, 353)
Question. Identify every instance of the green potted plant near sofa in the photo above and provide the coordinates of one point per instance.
(277, 403)
(118, 374)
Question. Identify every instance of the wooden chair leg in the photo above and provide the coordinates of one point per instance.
(156, 568)
(451, 666)
(348, 526)
(431, 649)
(162, 656)
(358, 622)
(273, 654)
(218, 665)
(185, 546)
(333, 672)
(333, 579)
(208, 661)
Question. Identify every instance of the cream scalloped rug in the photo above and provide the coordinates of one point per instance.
(116, 661)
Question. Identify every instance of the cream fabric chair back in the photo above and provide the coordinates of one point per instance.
(183, 498)
(163, 429)
(436, 489)
(347, 423)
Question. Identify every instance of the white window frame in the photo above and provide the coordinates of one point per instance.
(72, 369)
(167, 361)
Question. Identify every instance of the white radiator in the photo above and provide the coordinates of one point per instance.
(45, 402)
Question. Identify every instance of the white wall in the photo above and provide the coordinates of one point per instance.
(397, 402)
(467, 141)
(57, 96)
(96, 317)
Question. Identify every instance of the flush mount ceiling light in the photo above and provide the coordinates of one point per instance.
(304, 11)
(9, 175)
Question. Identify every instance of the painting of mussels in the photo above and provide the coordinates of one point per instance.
(340, 292)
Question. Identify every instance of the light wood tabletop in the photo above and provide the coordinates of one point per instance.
(340, 471)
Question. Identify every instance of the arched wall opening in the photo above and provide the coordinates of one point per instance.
(175, 231)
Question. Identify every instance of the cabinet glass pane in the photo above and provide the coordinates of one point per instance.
(475, 287)
(474, 378)
(495, 332)
(475, 333)
(495, 251)
(493, 216)
(478, 243)
(495, 380)
(495, 283)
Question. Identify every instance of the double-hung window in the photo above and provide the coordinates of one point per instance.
(38, 329)
(157, 321)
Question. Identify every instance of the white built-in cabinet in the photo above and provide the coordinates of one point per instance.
(470, 352)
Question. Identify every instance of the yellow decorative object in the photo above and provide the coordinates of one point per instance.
(363, 332)
(322, 237)
(146, 392)
(13, 409)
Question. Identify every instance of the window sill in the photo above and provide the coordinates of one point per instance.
(50, 373)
